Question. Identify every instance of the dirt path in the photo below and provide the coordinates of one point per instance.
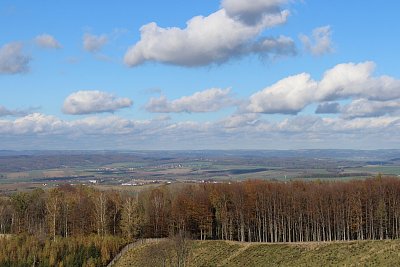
(133, 245)
(236, 253)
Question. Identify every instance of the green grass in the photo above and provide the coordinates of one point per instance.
(223, 253)
(129, 164)
(388, 170)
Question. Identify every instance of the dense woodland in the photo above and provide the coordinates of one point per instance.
(261, 211)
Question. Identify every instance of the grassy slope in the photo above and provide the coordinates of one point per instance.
(221, 253)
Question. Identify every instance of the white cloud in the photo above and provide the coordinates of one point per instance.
(315, 125)
(242, 131)
(362, 125)
(357, 80)
(13, 60)
(205, 40)
(344, 81)
(41, 124)
(94, 43)
(87, 102)
(288, 96)
(239, 120)
(111, 125)
(367, 108)
(35, 123)
(47, 41)
(208, 100)
(299, 124)
(320, 42)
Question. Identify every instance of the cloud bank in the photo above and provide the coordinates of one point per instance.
(246, 130)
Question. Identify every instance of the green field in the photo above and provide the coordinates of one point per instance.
(386, 170)
(114, 169)
(224, 253)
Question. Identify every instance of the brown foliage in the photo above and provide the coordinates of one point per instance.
(260, 211)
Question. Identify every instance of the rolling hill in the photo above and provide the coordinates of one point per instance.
(226, 253)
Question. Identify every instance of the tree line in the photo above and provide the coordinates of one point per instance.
(260, 211)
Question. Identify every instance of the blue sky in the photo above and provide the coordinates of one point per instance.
(229, 74)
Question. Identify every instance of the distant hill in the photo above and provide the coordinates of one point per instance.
(225, 253)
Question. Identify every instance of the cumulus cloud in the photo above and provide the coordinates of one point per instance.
(87, 102)
(288, 96)
(320, 42)
(36, 123)
(94, 43)
(208, 100)
(344, 81)
(47, 41)
(357, 80)
(13, 60)
(205, 40)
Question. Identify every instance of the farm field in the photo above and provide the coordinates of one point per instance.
(385, 170)
(44, 169)
(225, 253)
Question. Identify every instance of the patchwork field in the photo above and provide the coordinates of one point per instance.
(46, 169)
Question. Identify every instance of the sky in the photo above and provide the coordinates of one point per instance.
(229, 74)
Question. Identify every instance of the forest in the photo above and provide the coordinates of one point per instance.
(249, 211)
